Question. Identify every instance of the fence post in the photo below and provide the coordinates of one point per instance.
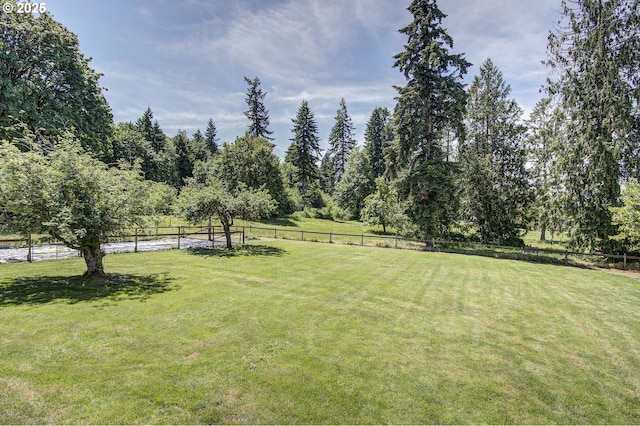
(362, 240)
(274, 232)
(625, 260)
(243, 235)
(178, 237)
(135, 247)
(29, 252)
(396, 240)
(330, 237)
(302, 234)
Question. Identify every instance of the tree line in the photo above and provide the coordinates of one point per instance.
(448, 161)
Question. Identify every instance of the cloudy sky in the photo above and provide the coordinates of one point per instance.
(186, 59)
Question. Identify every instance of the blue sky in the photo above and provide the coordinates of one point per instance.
(186, 59)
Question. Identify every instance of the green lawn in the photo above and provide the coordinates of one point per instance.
(294, 332)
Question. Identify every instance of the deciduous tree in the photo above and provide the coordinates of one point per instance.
(356, 184)
(251, 161)
(219, 199)
(71, 196)
(47, 85)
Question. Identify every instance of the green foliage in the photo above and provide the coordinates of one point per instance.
(341, 141)
(594, 54)
(72, 197)
(355, 185)
(627, 217)
(545, 135)
(495, 184)
(431, 103)
(327, 180)
(378, 135)
(211, 137)
(382, 208)
(224, 201)
(184, 159)
(257, 114)
(304, 154)
(160, 161)
(250, 161)
(47, 86)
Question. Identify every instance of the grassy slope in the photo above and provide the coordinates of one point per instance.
(313, 333)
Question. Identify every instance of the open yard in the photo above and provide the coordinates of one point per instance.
(294, 332)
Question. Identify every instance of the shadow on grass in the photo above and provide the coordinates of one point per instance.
(112, 288)
(240, 250)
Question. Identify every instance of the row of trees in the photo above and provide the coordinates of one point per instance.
(445, 157)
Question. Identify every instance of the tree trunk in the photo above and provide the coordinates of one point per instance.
(543, 231)
(93, 258)
(227, 233)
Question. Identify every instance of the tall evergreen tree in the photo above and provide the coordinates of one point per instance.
(257, 114)
(494, 180)
(327, 182)
(162, 164)
(306, 154)
(184, 162)
(543, 143)
(198, 150)
(595, 57)
(211, 137)
(431, 102)
(341, 140)
(377, 136)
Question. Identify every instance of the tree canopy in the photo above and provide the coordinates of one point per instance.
(495, 184)
(257, 114)
(432, 101)
(47, 86)
(71, 196)
(594, 55)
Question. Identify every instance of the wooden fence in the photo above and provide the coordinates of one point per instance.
(463, 247)
(215, 234)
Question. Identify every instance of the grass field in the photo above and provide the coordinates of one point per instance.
(293, 332)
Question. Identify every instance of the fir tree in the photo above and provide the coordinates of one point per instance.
(184, 163)
(431, 102)
(326, 173)
(306, 154)
(492, 160)
(341, 140)
(595, 57)
(211, 137)
(257, 114)
(543, 142)
(377, 137)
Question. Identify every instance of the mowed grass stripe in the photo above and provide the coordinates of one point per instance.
(294, 332)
